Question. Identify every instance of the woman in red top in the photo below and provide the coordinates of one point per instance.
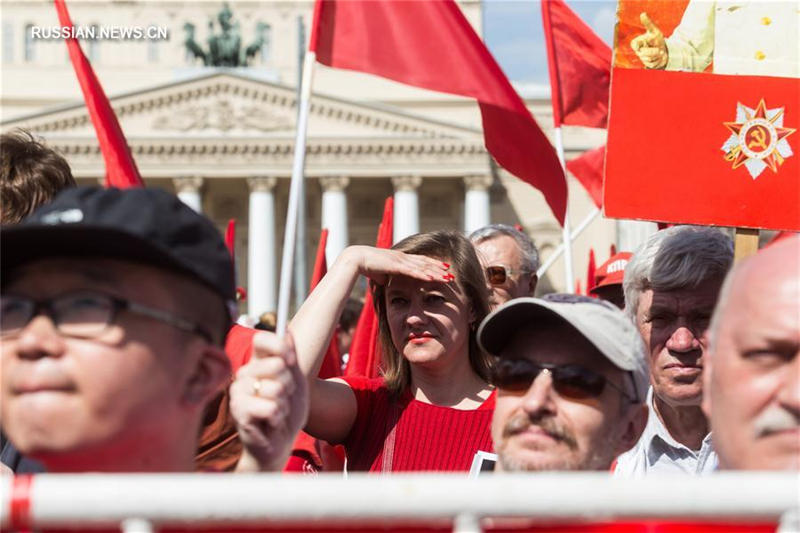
(432, 408)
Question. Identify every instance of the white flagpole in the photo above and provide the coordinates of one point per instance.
(560, 248)
(290, 235)
(565, 232)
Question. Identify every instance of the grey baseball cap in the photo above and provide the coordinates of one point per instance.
(601, 323)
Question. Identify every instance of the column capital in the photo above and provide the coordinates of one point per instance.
(334, 183)
(406, 183)
(478, 182)
(188, 183)
(262, 183)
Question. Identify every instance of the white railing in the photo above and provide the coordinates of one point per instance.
(225, 500)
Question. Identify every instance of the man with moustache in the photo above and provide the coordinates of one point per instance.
(510, 261)
(671, 286)
(571, 377)
(752, 389)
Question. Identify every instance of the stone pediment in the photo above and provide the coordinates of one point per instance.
(227, 104)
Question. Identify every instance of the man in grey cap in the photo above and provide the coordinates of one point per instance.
(571, 377)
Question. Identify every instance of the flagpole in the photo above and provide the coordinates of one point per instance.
(300, 261)
(560, 248)
(290, 235)
(565, 231)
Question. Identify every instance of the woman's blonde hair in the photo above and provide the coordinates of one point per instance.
(451, 247)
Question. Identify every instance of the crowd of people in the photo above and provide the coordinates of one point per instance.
(117, 304)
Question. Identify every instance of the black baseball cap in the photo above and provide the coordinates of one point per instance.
(143, 225)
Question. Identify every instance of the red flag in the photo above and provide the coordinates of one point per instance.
(365, 356)
(590, 269)
(580, 67)
(588, 168)
(332, 363)
(230, 237)
(121, 169)
(432, 45)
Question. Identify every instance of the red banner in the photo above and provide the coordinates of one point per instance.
(699, 147)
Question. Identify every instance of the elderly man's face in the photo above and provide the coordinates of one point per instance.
(541, 429)
(66, 398)
(753, 395)
(503, 251)
(673, 325)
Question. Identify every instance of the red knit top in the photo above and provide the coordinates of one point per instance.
(426, 436)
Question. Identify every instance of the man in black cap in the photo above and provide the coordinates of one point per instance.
(115, 305)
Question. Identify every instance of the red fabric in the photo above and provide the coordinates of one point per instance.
(432, 45)
(580, 67)
(590, 270)
(332, 363)
(665, 162)
(230, 237)
(239, 345)
(121, 169)
(588, 168)
(365, 356)
(612, 272)
(428, 437)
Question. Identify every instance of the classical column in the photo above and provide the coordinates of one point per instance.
(261, 289)
(406, 206)
(632, 233)
(476, 202)
(188, 189)
(334, 214)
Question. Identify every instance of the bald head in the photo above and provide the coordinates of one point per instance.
(752, 391)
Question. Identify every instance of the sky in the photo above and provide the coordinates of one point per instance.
(514, 34)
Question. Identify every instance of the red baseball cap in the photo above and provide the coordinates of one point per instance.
(612, 271)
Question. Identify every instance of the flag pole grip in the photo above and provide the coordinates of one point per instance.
(745, 243)
(298, 165)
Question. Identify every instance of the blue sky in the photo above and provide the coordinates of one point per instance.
(513, 31)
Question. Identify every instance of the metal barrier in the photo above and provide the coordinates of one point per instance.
(142, 502)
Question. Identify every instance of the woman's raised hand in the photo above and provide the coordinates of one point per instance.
(379, 264)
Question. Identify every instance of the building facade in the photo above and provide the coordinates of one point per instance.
(222, 137)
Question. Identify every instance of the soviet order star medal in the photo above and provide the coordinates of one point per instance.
(758, 139)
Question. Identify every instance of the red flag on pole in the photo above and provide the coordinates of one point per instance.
(230, 238)
(432, 45)
(365, 356)
(580, 67)
(331, 364)
(588, 168)
(121, 169)
(590, 270)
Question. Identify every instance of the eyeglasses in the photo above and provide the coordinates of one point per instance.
(498, 274)
(82, 314)
(570, 381)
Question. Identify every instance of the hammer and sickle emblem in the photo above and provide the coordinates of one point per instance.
(758, 138)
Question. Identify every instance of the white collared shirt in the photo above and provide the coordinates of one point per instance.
(657, 452)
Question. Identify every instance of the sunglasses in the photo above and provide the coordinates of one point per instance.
(497, 275)
(570, 381)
